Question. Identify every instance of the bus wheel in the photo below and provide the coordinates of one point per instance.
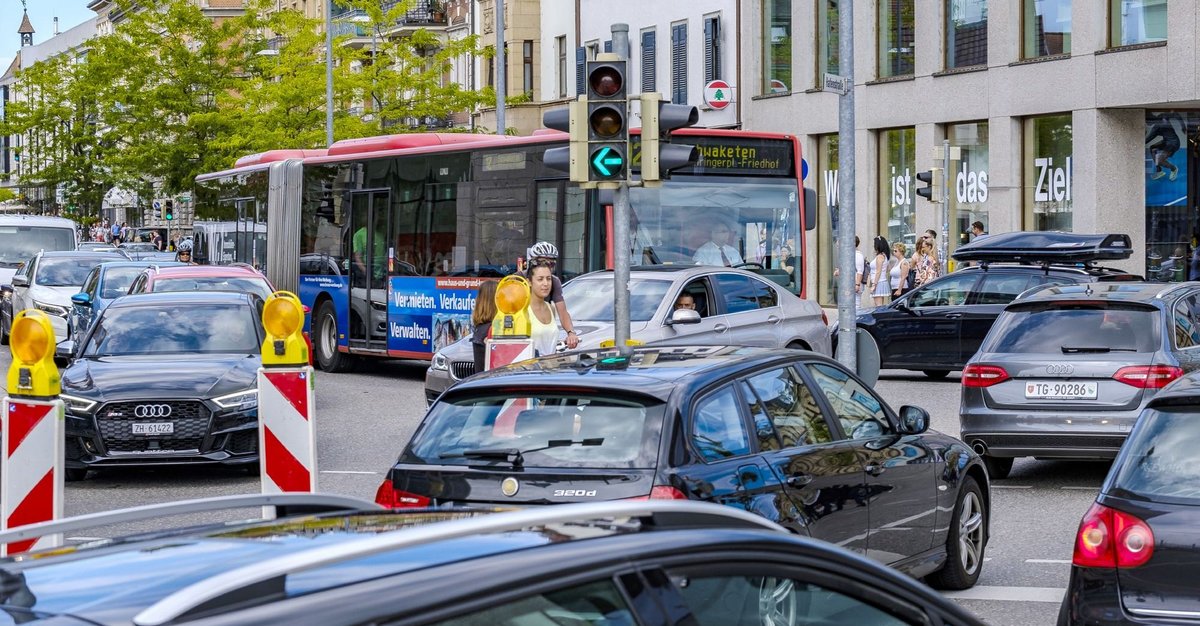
(326, 341)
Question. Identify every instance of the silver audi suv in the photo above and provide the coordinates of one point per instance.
(1066, 369)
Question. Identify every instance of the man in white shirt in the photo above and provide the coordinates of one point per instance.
(718, 251)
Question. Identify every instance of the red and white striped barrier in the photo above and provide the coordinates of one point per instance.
(500, 352)
(287, 438)
(33, 436)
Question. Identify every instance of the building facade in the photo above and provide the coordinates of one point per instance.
(1067, 115)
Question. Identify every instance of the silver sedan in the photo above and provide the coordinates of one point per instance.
(732, 307)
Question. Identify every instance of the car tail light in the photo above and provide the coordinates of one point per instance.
(392, 498)
(1112, 539)
(975, 375)
(1148, 376)
(662, 492)
(824, 317)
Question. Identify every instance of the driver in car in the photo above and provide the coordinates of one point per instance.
(718, 251)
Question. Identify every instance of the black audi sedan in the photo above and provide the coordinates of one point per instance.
(1138, 545)
(789, 435)
(166, 378)
(342, 562)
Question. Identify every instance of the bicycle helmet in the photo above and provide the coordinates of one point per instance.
(184, 246)
(543, 250)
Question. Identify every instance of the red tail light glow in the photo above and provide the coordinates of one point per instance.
(1110, 538)
(1148, 376)
(662, 492)
(976, 375)
(392, 498)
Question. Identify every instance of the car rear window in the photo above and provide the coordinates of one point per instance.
(1075, 329)
(1160, 458)
(550, 430)
(256, 286)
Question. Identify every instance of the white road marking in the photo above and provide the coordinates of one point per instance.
(1009, 594)
(1055, 561)
(995, 486)
(346, 472)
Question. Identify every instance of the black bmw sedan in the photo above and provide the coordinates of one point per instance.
(166, 379)
(789, 435)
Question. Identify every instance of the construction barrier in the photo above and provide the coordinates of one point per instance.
(286, 403)
(33, 434)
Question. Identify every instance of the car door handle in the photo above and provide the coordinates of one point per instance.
(953, 316)
(799, 480)
(875, 469)
(774, 319)
(720, 328)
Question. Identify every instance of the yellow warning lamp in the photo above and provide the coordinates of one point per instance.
(512, 308)
(33, 373)
(283, 319)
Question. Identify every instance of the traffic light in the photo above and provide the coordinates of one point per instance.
(170, 210)
(607, 121)
(157, 210)
(933, 181)
(658, 120)
(572, 159)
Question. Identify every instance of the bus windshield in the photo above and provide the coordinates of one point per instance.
(710, 221)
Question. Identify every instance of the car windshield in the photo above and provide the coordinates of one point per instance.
(117, 281)
(1160, 458)
(175, 329)
(1072, 329)
(18, 243)
(256, 286)
(591, 298)
(550, 430)
(67, 271)
(139, 247)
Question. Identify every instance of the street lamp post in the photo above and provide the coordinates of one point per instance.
(328, 72)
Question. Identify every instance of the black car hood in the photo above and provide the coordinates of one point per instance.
(111, 379)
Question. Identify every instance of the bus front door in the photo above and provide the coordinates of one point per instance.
(370, 216)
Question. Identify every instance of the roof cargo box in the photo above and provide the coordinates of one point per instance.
(1046, 247)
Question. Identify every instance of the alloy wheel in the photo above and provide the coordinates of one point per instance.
(970, 533)
(777, 602)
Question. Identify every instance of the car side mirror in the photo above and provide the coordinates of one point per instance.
(903, 307)
(683, 316)
(913, 420)
(82, 299)
(20, 281)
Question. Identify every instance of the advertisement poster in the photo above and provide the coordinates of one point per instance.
(427, 314)
(1166, 160)
(313, 285)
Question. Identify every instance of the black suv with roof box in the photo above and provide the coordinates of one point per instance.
(937, 327)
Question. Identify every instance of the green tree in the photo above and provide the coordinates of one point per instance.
(7, 194)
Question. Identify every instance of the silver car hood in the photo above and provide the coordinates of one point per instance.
(591, 335)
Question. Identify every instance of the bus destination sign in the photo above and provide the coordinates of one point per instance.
(732, 156)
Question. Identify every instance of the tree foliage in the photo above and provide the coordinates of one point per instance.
(172, 94)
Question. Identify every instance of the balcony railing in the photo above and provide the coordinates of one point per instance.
(422, 13)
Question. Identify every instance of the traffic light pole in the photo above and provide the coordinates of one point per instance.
(944, 246)
(621, 219)
(847, 352)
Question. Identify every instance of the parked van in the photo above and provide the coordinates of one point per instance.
(22, 236)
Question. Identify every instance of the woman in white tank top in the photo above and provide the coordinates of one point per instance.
(543, 323)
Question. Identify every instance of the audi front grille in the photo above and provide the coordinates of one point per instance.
(190, 419)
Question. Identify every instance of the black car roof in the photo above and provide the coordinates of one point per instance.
(1182, 391)
(653, 370)
(182, 297)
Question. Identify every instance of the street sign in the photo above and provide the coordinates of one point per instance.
(834, 83)
(606, 162)
(718, 94)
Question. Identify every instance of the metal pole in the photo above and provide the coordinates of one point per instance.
(847, 303)
(944, 246)
(501, 69)
(329, 72)
(621, 220)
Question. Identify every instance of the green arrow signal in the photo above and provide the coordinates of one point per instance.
(606, 158)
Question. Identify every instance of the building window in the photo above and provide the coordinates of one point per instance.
(580, 68)
(827, 218)
(969, 182)
(712, 48)
(560, 44)
(1171, 221)
(966, 33)
(777, 46)
(1047, 173)
(897, 157)
(649, 67)
(1136, 21)
(827, 39)
(895, 38)
(679, 63)
(1046, 26)
(527, 67)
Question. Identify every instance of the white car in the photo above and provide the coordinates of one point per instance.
(46, 282)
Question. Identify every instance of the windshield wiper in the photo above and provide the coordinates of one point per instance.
(515, 456)
(1094, 349)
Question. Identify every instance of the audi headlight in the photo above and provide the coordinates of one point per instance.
(77, 405)
(247, 399)
(52, 309)
(439, 362)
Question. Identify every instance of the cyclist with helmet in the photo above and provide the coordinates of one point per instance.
(546, 254)
(183, 252)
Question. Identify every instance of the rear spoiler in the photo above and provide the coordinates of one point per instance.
(1046, 248)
